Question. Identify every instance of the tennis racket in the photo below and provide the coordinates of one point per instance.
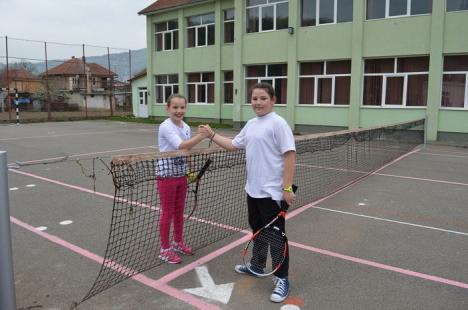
(268, 247)
(197, 185)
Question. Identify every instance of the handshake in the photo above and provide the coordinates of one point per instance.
(206, 132)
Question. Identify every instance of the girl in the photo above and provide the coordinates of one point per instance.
(174, 134)
(271, 159)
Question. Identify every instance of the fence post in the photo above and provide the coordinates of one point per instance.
(7, 281)
(17, 106)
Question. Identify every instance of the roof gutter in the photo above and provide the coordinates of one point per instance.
(168, 9)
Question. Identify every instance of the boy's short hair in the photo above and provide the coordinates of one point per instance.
(168, 102)
(265, 86)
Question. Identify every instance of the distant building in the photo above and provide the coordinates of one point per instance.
(334, 64)
(89, 83)
(21, 81)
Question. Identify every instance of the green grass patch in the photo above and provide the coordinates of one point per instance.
(155, 121)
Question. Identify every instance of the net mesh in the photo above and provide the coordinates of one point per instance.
(325, 163)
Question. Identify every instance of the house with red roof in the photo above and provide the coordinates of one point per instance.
(87, 84)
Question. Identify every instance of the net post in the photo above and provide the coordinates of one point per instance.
(7, 282)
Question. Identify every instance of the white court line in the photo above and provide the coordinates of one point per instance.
(421, 179)
(76, 134)
(443, 155)
(392, 221)
(384, 174)
(426, 150)
(83, 154)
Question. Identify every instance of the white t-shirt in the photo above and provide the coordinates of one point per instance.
(265, 140)
(170, 136)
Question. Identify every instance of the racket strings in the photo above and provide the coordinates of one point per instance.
(267, 251)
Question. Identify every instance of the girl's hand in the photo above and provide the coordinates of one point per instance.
(205, 131)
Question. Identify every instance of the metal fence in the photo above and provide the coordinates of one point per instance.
(49, 80)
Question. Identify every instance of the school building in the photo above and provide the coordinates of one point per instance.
(334, 63)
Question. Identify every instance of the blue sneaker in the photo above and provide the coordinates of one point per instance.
(281, 290)
(242, 269)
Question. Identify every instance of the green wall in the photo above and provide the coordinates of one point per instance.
(433, 34)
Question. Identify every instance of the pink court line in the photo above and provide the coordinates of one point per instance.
(381, 266)
(155, 284)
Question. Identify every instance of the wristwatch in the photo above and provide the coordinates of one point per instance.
(288, 189)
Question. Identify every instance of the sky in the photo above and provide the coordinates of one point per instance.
(106, 23)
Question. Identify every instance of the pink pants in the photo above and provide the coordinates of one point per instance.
(172, 192)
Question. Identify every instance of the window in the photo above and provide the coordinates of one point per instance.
(166, 85)
(228, 87)
(75, 81)
(457, 5)
(229, 26)
(318, 12)
(266, 15)
(455, 82)
(166, 36)
(201, 30)
(396, 81)
(325, 82)
(201, 87)
(275, 74)
(397, 8)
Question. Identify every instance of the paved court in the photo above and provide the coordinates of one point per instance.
(395, 240)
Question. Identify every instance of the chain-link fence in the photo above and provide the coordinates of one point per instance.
(50, 81)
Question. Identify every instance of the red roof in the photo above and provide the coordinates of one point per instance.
(74, 66)
(163, 4)
(18, 74)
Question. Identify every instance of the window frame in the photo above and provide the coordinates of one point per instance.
(317, 14)
(387, 11)
(202, 25)
(229, 21)
(446, 8)
(228, 82)
(163, 34)
(274, 4)
(385, 76)
(197, 85)
(266, 78)
(325, 75)
(164, 85)
(452, 72)
(465, 103)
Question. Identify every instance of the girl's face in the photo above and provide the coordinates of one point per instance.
(176, 109)
(261, 102)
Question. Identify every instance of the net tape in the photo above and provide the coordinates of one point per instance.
(325, 163)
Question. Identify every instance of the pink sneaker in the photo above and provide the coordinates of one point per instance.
(169, 256)
(182, 248)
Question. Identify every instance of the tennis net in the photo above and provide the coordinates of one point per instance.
(325, 163)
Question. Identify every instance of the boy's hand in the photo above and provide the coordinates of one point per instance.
(205, 131)
(290, 198)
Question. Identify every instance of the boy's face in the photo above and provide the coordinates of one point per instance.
(261, 102)
(177, 109)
